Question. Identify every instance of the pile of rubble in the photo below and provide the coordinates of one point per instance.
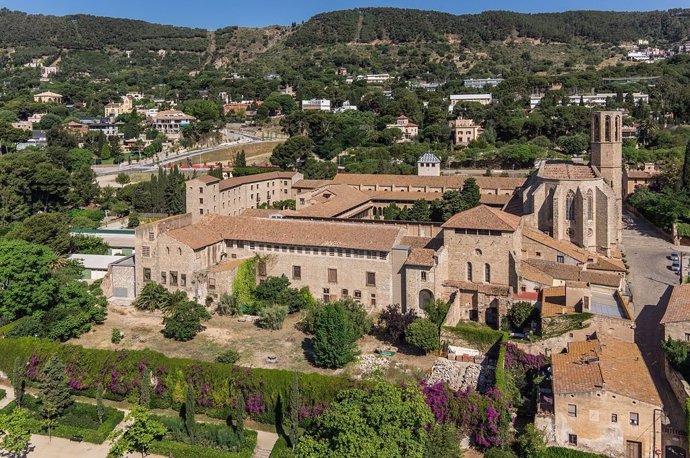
(458, 375)
(369, 364)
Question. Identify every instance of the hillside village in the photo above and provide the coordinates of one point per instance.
(273, 242)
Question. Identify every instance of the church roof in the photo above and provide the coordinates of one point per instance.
(558, 170)
(483, 217)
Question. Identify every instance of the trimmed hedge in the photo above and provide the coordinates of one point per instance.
(561, 452)
(481, 336)
(281, 449)
(6, 329)
(78, 420)
(500, 374)
(216, 386)
(182, 450)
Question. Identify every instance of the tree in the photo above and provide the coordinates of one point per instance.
(436, 311)
(106, 152)
(383, 421)
(519, 313)
(239, 419)
(240, 159)
(84, 187)
(18, 381)
(133, 220)
(89, 244)
(141, 430)
(14, 432)
(470, 194)
(444, 442)
(420, 211)
(334, 341)
(294, 152)
(153, 296)
(423, 334)
(272, 316)
(54, 392)
(185, 321)
(686, 169)
(25, 273)
(190, 412)
(122, 178)
(531, 444)
(393, 323)
(573, 144)
(145, 389)
(100, 408)
(49, 229)
(291, 419)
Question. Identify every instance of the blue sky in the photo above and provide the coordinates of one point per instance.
(213, 14)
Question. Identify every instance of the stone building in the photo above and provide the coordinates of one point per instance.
(207, 195)
(676, 319)
(409, 129)
(596, 407)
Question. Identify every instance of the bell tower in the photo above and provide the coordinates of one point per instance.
(607, 153)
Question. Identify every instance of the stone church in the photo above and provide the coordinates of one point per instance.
(577, 202)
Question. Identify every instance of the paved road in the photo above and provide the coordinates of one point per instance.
(651, 281)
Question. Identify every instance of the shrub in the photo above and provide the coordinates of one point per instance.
(531, 444)
(499, 453)
(88, 244)
(184, 323)
(271, 288)
(393, 323)
(676, 351)
(423, 334)
(228, 305)
(436, 311)
(3, 393)
(272, 316)
(519, 314)
(182, 450)
(480, 336)
(116, 336)
(133, 220)
(229, 356)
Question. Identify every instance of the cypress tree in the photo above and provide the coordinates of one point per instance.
(100, 408)
(18, 381)
(145, 389)
(686, 169)
(239, 419)
(190, 411)
(55, 396)
(292, 420)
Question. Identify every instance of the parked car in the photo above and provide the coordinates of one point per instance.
(675, 266)
(675, 257)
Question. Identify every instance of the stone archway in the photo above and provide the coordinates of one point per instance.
(425, 297)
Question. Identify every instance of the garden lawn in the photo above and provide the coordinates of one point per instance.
(79, 420)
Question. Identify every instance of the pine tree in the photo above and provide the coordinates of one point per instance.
(470, 194)
(145, 389)
(190, 411)
(100, 408)
(240, 159)
(686, 169)
(55, 396)
(18, 381)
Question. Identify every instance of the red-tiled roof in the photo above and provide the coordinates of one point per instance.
(483, 217)
(678, 308)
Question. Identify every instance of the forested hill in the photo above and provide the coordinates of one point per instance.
(406, 25)
(94, 32)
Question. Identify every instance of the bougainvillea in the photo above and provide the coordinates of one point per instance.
(437, 397)
(516, 358)
(254, 404)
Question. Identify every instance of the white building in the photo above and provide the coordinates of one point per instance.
(479, 83)
(316, 104)
(591, 100)
(483, 99)
(345, 107)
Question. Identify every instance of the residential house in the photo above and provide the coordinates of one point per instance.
(479, 83)
(676, 320)
(316, 104)
(48, 97)
(464, 131)
(170, 122)
(483, 99)
(643, 178)
(409, 129)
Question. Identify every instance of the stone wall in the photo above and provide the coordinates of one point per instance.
(680, 387)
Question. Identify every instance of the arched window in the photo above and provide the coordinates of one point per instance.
(617, 138)
(590, 206)
(596, 129)
(570, 206)
(607, 129)
(469, 271)
(487, 273)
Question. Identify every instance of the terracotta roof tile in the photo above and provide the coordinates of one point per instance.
(483, 217)
(604, 364)
(453, 182)
(531, 273)
(678, 308)
(566, 171)
(207, 179)
(213, 229)
(564, 247)
(421, 257)
(569, 272)
(310, 184)
(553, 302)
(238, 181)
(484, 288)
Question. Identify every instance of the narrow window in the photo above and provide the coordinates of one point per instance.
(371, 279)
(212, 283)
(590, 206)
(614, 418)
(296, 272)
(147, 274)
(373, 300)
(560, 258)
(146, 251)
(487, 273)
(344, 293)
(326, 294)
(607, 129)
(469, 271)
(164, 278)
(572, 439)
(262, 269)
(183, 279)
(423, 276)
(572, 410)
(332, 275)
(358, 294)
(570, 206)
(634, 418)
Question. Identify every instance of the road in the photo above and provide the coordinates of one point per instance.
(651, 281)
(151, 164)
